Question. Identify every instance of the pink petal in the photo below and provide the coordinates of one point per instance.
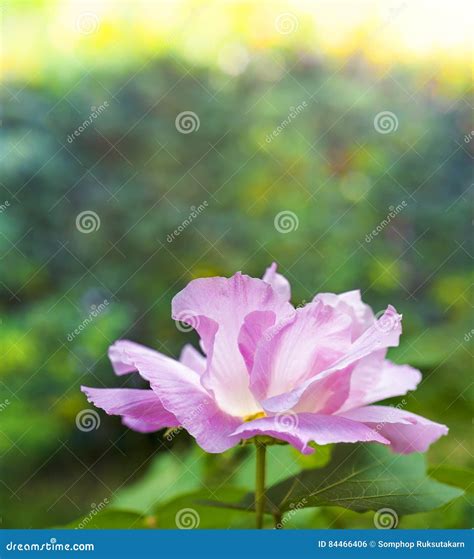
(181, 393)
(216, 308)
(191, 358)
(121, 355)
(301, 429)
(141, 410)
(375, 378)
(384, 333)
(350, 303)
(253, 329)
(407, 432)
(298, 348)
(279, 283)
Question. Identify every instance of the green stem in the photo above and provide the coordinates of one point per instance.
(260, 483)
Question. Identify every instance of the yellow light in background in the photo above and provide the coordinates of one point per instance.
(226, 32)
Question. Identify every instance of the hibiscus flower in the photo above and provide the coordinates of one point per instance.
(300, 375)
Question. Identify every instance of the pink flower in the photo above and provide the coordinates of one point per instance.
(299, 375)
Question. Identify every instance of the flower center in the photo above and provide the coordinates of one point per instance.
(253, 416)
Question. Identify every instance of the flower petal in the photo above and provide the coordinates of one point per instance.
(298, 348)
(181, 393)
(190, 357)
(375, 378)
(121, 355)
(384, 333)
(301, 429)
(407, 432)
(254, 327)
(351, 303)
(141, 410)
(216, 308)
(279, 283)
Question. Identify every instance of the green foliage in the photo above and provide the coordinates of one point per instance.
(360, 478)
(141, 177)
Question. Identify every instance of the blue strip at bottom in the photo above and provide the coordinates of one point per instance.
(242, 544)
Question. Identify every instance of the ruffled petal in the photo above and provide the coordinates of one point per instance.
(216, 308)
(299, 348)
(182, 394)
(407, 432)
(301, 429)
(279, 283)
(141, 410)
(382, 334)
(253, 329)
(351, 303)
(190, 357)
(121, 355)
(375, 378)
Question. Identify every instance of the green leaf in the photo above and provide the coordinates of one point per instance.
(360, 478)
(167, 477)
(193, 511)
(459, 477)
(111, 518)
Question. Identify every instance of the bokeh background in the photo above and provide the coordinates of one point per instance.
(350, 117)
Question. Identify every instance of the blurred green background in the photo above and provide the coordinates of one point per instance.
(242, 71)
